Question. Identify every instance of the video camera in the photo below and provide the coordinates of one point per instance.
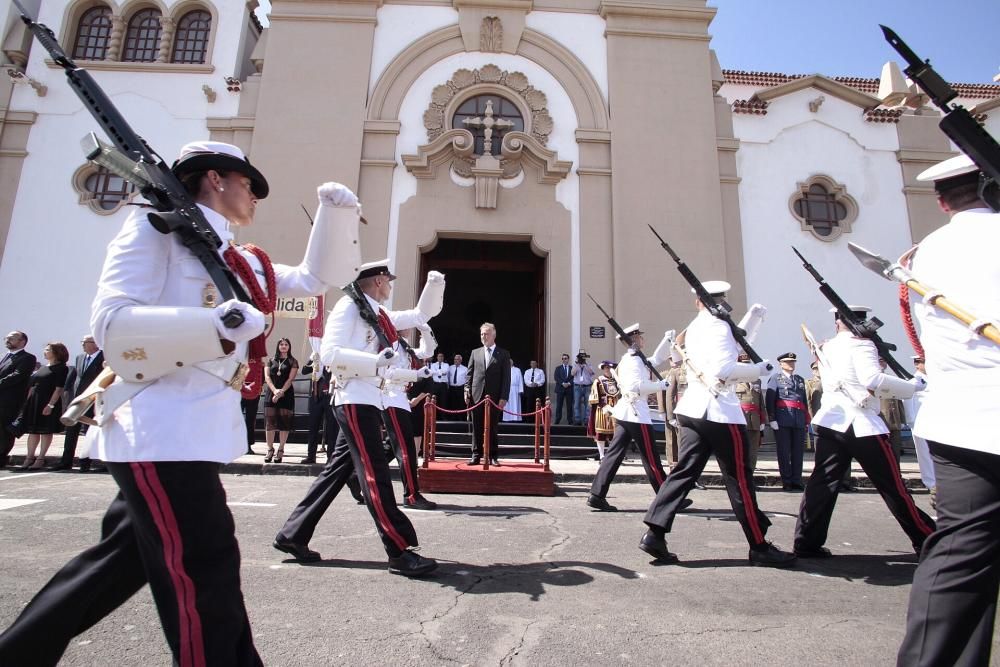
(582, 356)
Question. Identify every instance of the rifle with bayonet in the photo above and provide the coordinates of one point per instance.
(132, 159)
(865, 328)
(717, 307)
(627, 339)
(960, 126)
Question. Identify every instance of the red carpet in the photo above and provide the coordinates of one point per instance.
(510, 478)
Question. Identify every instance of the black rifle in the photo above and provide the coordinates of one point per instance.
(370, 317)
(971, 137)
(136, 162)
(718, 308)
(865, 328)
(627, 338)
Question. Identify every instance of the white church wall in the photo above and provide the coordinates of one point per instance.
(562, 140)
(399, 26)
(783, 148)
(55, 246)
(583, 34)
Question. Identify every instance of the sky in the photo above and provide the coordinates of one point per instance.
(842, 37)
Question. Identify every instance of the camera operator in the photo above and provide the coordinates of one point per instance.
(583, 378)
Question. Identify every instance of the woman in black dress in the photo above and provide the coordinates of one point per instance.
(279, 405)
(42, 409)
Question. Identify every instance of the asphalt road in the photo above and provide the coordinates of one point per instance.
(523, 581)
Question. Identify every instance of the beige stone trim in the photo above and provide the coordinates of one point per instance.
(234, 123)
(520, 5)
(840, 196)
(930, 157)
(389, 164)
(727, 144)
(382, 127)
(390, 89)
(659, 34)
(332, 18)
(593, 171)
(116, 66)
(983, 107)
(656, 10)
(440, 151)
(584, 136)
(518, 146)
(492, 26)
(839, 90)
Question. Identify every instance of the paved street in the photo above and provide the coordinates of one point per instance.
(539, 581)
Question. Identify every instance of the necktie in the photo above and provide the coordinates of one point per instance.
(86, 363)
(454, 376)
(6, 357)
(532, 376)
(489, 355)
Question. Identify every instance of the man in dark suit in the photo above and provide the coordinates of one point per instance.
(85, 369)
(563, 380)
(16, 368)
(489, 374)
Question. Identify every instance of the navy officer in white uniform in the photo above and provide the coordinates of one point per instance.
(848, 426)
(953, 602)
(632, 420)
(172, 417)
(712, 422)
(363, 371)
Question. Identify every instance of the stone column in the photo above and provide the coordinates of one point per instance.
(115, 39)
(168, 26)
(921, 145)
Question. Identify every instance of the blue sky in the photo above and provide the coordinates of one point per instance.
(842, 37)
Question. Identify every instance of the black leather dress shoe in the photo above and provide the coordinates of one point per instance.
(686, 503)
(420, 503)
(494, 461)
(768, 555)
(657, 548)
(99, 468)
(797, 486)
(812, 552)
(475, 460)
(300, 552)
(60, 467)
(410, 564)
(308, 460)
(601, 504)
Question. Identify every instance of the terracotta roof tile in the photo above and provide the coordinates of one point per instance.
(869, 86)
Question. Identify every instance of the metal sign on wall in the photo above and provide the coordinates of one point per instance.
(597, 332)
(299, 309)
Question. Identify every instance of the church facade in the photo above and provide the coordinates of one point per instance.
(521, 147)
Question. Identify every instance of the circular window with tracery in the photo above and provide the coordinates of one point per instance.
(490, 115)
(101, 190)
(823, 207)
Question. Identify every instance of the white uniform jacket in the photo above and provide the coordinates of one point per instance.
(189, 415)
(713, 351)
(852, 367)
(345, 328)
(962, 406)
(632, 406)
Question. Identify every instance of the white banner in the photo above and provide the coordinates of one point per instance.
(299, 309)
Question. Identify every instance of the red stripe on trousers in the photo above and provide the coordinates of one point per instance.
(749, 508)
(404, 451)
(192, 646)
(352, 421)
(647, 443)
(898, 480)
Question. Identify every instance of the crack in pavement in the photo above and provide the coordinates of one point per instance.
(437, 616)
(508, 658)
(563, 536)
(698, 633)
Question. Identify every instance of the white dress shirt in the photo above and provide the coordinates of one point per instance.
(457, 375)
(439, 371)
(713, 351)
(534, 377)
(963, 370)
(188, 415)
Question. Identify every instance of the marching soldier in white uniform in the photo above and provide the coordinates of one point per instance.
(632, 422)
(848, 426)
(953, 602)
(364, 370)
(712, 422)
(173, 416)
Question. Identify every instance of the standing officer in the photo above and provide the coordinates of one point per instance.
(712, 422)
(788, 412)
(351, 348)
(439, 380)
(457, 373)
(164, 439)
(563, 380)
(632, 421)
(953, 601)
(677, 377)
(534, 388)
(849, 427)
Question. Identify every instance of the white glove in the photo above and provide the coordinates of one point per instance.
(919, 384)
(253, 321)
(385, 358)
(761, 428)
(607, 409)
(774, 426)
(337, 195)
(663, 385)
(765, 367)
(423, 372)
(662, 351)
(435, 277)
(407, 374)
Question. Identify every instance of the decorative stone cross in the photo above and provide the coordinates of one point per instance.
(487, 123)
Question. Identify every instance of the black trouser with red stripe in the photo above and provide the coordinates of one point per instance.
(728, 442)
(625, 433)
(170, 527)
(953, 602)
(834, 451)
(399, 426)
(359, 447)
